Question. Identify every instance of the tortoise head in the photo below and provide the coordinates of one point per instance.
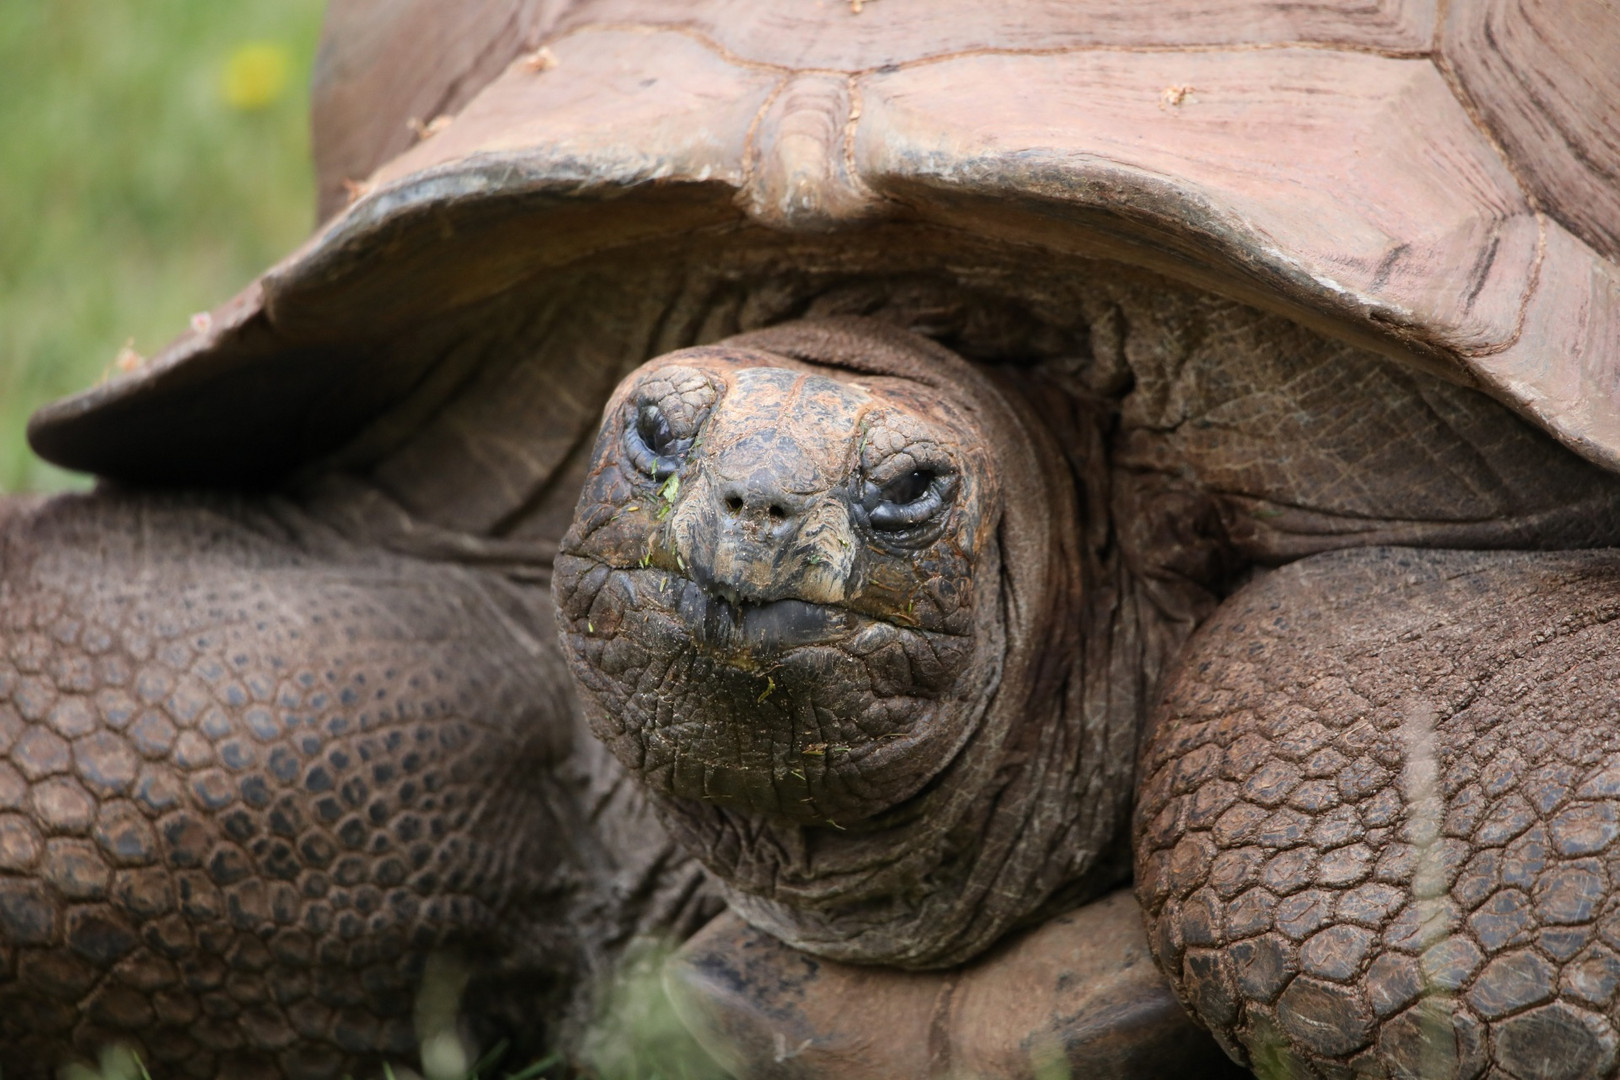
(815, 597)
(776, 588)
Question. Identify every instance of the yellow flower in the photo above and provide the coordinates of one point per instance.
(255, 75)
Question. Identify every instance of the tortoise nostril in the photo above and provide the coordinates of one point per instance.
(734, 504)
(777, 512)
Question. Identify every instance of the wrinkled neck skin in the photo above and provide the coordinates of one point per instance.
(890, 746)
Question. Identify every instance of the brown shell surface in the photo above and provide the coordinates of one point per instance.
(1435, 181)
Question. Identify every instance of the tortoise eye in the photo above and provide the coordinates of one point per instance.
(912, 499)
(653, 427)
(663, 417)
(908, 488)
(653, 445)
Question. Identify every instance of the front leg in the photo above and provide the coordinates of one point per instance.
(1077, 996)
(1376, 833)
(252, 775)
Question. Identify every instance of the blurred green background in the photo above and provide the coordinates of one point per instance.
(154, 157)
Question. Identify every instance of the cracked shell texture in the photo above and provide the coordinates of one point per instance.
(1377, 827)
(243, 791)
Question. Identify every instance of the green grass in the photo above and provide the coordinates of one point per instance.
(132, 191)
(635, 1036)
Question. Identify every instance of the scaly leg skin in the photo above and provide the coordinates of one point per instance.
(1378, 816)
(1077, 996)
(252, 776)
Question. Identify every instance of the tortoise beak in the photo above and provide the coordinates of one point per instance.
(765, 629)
(753, 541)
(765, 569)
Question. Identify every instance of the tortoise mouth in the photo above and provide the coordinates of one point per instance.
(803, 710)
(733, 627)
(723, 620)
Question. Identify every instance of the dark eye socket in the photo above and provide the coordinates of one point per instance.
(653, 427)
(908, 488)
(653, 445)
(908, 501)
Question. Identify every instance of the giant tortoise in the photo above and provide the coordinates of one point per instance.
(1055, 408)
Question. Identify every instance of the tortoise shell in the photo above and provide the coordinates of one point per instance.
(1435, 182)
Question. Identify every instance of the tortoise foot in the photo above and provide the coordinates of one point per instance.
(1078, 996)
